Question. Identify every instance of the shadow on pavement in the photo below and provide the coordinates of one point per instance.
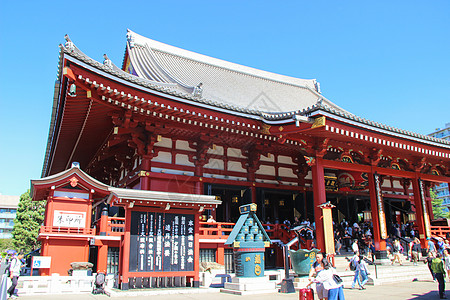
(429, 295)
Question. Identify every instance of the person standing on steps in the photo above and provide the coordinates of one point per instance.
(396, 252)
(353, 265)
(438, 268)
(363, 272)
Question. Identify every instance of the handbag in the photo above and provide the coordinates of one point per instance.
(337, 279)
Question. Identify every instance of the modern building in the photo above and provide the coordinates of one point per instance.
(161, 138)
(8, 211)
(442, 190)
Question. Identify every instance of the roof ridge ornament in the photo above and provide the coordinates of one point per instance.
(198, 90)
(107, 62)
(317, 86)
(130, 39)
(69, 45)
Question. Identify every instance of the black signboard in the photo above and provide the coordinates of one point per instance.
(161, 242)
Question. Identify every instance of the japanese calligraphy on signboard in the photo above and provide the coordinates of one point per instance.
(69, 219)
(161, 242)
(426, 218)
(380, 204)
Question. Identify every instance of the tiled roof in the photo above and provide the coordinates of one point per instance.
(240, 87)
(177, 72)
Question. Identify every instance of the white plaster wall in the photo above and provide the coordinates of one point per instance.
(165, 157)
(269, 157)
(309, 175)
(183, 145)
(236, 166)
(397, 184)
(285, 160)
(285, 172)
(234, 152)
(386, 183)
(183, 159)
(218, 150)
(165, 142)
(215, 164)
(266, 170)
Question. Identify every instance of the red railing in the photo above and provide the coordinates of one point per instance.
(116, 226)
(221, 230)
(66, 230)
(217, 230)
(441, 231)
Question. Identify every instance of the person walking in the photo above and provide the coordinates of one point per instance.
(353, 265)
(446, 260)
(415, 250)
(363, 271)
(396, 252)
(431, 247)
(428, 261)
(14, 270)
(438, 268)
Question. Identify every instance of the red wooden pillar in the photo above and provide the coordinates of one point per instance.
(102, 258)
(146, 166)
(377, 207)
(320, 197)
(125, 251)
(196, 282)
(422, 217)
(220, 258)
(253, 191)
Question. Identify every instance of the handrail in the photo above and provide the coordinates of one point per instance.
(66, 230)
(221, 230)
(441, 231)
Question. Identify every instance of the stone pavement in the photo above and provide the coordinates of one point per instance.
(398, 291)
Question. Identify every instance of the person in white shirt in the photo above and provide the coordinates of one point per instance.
(14, 271)
(363, 272)
(355, 246)
(328, 279)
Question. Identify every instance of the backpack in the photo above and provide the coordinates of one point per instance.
(352, 265)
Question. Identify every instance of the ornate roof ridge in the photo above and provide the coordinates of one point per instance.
(379, 125)
(110, 68)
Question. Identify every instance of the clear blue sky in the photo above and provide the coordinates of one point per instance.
(387, 61)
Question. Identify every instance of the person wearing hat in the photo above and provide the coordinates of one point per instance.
(14, 271)
(431, 247)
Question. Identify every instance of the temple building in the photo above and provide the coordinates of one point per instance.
(191, 126)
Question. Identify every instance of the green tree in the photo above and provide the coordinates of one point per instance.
(5, 244)
(438, 210)
(29, 218)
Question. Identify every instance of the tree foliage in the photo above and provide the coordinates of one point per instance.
(439, 211)
(29, 218)
(5, 244)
